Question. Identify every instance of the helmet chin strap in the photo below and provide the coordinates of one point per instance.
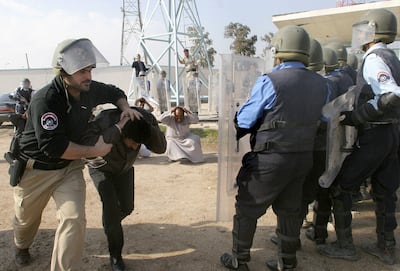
(66, 94)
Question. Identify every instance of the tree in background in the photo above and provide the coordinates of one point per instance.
(196, 38)
(241, 45)
(267, 38)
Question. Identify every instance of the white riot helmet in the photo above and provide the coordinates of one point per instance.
(375, 25)
(73, 55)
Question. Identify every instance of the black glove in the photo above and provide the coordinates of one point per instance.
(363, 114)
(240, 132)
(347, 118)
(388, 101)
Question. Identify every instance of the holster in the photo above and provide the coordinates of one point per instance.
(17, 168)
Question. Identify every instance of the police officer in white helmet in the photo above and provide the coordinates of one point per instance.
(49, 161)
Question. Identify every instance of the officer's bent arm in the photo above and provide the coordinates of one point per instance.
(76, 151)
(262, 98)
(122, 104)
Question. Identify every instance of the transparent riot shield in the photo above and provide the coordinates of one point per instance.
(191, 91)
(340, 139)
(213, 86)
(237, 77)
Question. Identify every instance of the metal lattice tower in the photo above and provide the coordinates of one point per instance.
(131, 22)
(160, 28)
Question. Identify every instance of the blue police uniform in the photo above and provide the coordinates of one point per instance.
(282, 115)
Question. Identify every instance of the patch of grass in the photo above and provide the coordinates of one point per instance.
(206, 135)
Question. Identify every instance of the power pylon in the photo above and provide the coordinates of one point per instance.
(161, 30)
(131, 22)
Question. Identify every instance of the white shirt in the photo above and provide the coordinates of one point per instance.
(378, 75)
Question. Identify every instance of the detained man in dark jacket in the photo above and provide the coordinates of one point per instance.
(113, 175)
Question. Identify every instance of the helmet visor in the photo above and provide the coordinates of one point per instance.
(79, 55)
(363, 33)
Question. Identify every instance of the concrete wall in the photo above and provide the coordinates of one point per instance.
(116, 75)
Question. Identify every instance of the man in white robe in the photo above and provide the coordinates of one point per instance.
(181, 143)
(163, 92)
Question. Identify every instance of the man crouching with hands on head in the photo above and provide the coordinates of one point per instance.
(51, 156)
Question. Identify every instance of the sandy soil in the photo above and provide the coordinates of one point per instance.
(173, 225)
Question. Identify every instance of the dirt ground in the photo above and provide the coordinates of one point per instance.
(173, 225)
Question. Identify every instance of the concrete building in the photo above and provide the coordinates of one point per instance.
(334, 24)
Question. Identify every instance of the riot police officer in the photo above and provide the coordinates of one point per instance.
(347, 75)
(50, 153)
(282, 115)
(310, 187)
(322, 205)
(376, 117)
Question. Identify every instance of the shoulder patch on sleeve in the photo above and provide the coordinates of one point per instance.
(383, 77)
(49, 121)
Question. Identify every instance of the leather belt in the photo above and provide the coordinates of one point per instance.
(371, 125)
(45, 165)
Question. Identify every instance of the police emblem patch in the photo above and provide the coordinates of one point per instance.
(49, 121)
(383, 77)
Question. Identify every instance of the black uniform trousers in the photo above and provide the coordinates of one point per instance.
(313, 191)
(311, 186)
(117, 196)
(375, 157)
(267, 179)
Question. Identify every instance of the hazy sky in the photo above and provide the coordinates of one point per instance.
(34, 27)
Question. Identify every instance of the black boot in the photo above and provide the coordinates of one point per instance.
(232, 263)
(22, 257)
(384, 249)
(242, 236)
(312, 234)
(343, 248)
(322, 212)
(276, 265)
(117, 264)
(287, 247)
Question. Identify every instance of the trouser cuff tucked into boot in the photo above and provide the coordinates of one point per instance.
(287, 246)
(232, 263)
(284, 262)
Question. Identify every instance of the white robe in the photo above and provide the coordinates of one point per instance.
(181, 143)
(162, 94)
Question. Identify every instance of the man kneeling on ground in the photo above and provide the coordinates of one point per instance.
(181, 143)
